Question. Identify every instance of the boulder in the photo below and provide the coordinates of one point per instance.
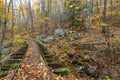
(80, 35)
(81, 68)
(48, 39)
(40, 37)
(76, 36)
(5, 51)
(99, 38)
(6, 44)
(89, 47)
(59, 31)
(88, 70)
(70, 39)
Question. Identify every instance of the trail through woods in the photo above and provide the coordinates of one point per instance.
(33, 66)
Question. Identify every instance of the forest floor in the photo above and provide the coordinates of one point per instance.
(86, 56)
(88, 51)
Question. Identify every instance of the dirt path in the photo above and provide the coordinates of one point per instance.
(33, 66)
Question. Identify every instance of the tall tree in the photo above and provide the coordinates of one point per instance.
(3, 19)
(104, 11)
(12, 18)
(43, 15)
(105, 29)
(1, 5)
(31, 17)
(50, 15)
(90, 12)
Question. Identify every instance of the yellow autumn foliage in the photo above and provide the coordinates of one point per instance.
(0, 7)
(71, 6)
(77, 8)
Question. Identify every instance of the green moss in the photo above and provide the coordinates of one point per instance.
(50, 59)
(10, 65)
(61, 71)
(14, 65)
(55, 64)
(49, 56)
(16, 40)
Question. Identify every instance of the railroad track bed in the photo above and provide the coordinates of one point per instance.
(12, 63)
(33, 66)
(53, 62)
(37, 63)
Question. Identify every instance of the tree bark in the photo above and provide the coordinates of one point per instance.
(31, 17)
(12, 19)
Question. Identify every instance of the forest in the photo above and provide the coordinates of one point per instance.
(59, 39)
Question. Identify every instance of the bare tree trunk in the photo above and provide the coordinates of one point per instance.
(90, 11)
(4, 20)
(19, 22)
(23, 15)
(97, 4)
(50, 15)
(39, 15)
(12, 19)
(1, 40)
(3, 25)
(31, 17)
(106, 30)
(22, 10)
(43, 15)
(63, 10)
(104, 11)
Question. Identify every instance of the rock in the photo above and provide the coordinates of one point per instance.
(37, 37)
(115, 49)
(59, 31)
(75, 36)
(6, 44)
(80, 35)
(90, 70)
(48, 39)
(57, 39)
(89, 47)
(80, 69)
(70, 39)
(5, 51)
(40, 37)
(45, 39)
(99, 38)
